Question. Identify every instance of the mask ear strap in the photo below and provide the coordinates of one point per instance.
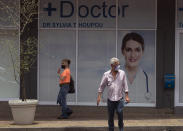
(146, 81)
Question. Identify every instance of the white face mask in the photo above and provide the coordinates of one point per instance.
(117, 68)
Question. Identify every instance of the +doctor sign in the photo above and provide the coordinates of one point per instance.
(97, 13)
(84, 11)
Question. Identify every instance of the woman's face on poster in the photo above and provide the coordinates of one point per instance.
(132, 53)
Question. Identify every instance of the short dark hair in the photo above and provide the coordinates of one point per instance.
(67, 60)
(132, 36)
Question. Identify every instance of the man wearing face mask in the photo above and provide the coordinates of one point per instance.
(64, 88)
(115, 80)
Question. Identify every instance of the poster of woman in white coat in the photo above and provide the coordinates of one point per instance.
(138, 62)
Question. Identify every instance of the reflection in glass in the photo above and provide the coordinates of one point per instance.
(9, 13)
(9, 64)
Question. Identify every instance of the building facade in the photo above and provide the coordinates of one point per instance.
(90, 32)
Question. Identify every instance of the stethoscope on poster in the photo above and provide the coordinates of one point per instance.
(147, 94)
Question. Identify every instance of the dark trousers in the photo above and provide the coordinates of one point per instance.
(118, 106)
(62, 99)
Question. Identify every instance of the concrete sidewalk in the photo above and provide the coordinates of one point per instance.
(69, 124)
(87, 118)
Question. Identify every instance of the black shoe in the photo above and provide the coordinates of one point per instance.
(69, 113)
(62, 117)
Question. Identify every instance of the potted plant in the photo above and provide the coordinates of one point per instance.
(23, 110)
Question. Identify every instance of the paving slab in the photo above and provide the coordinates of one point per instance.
(69, 124)
(86, 118)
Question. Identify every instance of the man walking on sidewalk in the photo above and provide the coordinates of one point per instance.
(115, 80)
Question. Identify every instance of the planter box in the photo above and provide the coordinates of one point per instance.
(23, 111)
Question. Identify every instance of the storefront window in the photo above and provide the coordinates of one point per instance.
(9, 16)
(9, 64)
(95, 51)
(178, 54)
(142, 87)
(9, 49)
(137, 15)
(89, 32)
(181, 69)
(97, 14)
(59, 45)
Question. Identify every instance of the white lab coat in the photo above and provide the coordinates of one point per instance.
(138, 88)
